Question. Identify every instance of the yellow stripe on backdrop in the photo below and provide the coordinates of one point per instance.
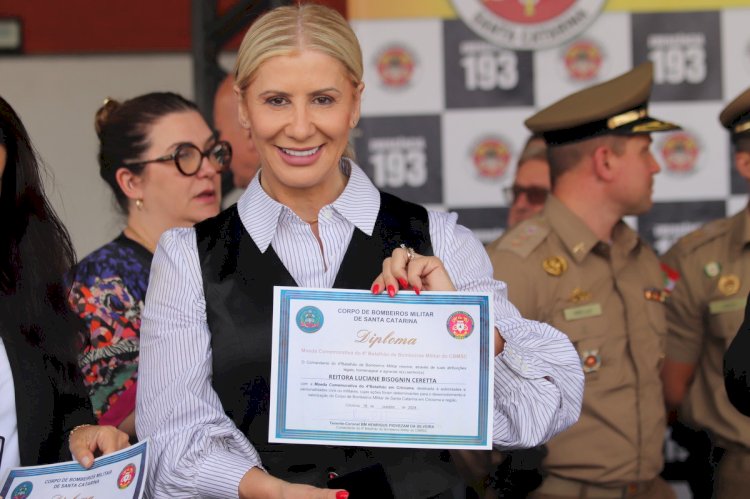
(383, 9)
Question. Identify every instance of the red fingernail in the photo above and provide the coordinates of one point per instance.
(403, 282)
(416, 290)
(391, 291)
(375, 289)
(342, 494)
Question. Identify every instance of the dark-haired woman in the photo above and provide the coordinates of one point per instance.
(162, 161)
(44, 411)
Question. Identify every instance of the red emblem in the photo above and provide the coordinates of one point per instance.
(583, 59)
(127, 475)
(491, 157)
(680, 152)
(395, 66)
(460, 325)
(528, 11)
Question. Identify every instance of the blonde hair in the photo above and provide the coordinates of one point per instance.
(293, 28)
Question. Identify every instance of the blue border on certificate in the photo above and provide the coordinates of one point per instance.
(286, 297)
(139, 450)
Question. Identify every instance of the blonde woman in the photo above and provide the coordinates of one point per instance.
(311, 218)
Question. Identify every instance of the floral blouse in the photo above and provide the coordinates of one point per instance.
(107, 291)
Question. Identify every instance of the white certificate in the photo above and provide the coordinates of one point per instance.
(353, 368)
(119, 475)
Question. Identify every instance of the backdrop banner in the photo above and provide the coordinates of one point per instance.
(446, 96)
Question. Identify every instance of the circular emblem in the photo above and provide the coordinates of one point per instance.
(309, 319)
(491, 157)
(680, 152)
(712, 269)
(583, 59)
(555, 265)
(729, 284)
(591, 361)
(528, 24)
(460, 325)
(22, 490)
(395, 66)
(127, 475)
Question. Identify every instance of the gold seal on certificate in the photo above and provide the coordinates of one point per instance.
(353, 368)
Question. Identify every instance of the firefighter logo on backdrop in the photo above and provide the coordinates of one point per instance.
(583, 60)
(395, 65)
(528, 24)
(491, 157)
(680, 152)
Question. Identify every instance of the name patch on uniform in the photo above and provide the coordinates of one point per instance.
(575, 313)
(729, 305)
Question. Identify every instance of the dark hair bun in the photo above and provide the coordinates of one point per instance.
(104, 113)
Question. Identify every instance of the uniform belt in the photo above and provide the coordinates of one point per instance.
(555, 485)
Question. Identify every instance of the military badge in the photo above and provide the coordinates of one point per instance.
(395, 65)
(712, 269)
(655, 294)
(127, 475)
(460, 325)
(309, 319)
(583, 60)
(578, 296)
(728, 284)
(491, 157)
(671, 276)
(22, 491)
(591, 361)
(555, 265)
(680, 153)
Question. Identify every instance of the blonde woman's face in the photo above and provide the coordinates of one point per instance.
(300, 109)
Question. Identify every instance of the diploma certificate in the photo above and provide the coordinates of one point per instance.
(120, 475)
(353, 368)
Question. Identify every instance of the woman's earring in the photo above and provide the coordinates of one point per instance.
(139, 203)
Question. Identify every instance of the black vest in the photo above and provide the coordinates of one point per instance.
(238, 283)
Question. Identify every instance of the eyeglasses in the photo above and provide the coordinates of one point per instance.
(188, 157)
(534, 195)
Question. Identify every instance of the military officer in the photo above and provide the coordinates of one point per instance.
(579, 267)
(704, 312)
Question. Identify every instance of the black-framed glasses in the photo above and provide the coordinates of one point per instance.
(188, 157)
(535, 195)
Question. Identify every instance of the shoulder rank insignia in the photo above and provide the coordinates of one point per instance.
(555, 265)
(728, 284)
(712, 269)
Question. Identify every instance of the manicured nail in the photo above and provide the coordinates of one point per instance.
(375, 289)
(403, 282)
(342, 494)
(416, 290)
(391, 291)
